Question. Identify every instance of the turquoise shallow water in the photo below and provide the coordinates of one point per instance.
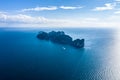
(24, 57)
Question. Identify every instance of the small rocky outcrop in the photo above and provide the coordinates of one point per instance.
(78, 43)
(61, 38)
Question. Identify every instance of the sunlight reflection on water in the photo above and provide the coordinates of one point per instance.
(113, 60)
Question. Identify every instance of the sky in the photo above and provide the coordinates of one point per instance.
(60, 13)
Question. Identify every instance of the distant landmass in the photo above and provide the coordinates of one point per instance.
(61, 38)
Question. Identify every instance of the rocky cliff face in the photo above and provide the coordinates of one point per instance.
(61, 38)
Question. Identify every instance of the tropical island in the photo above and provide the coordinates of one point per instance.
(61, 38)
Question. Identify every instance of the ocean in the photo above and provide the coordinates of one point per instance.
(24, 57)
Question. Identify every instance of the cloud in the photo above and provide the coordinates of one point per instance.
(117, 12)
(91, 19)
(39, 8)
(50, 8)
(69, 7)
(22, 20)
(117, 0)
(107, 6)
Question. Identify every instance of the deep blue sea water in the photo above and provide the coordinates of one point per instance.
(24, 57)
